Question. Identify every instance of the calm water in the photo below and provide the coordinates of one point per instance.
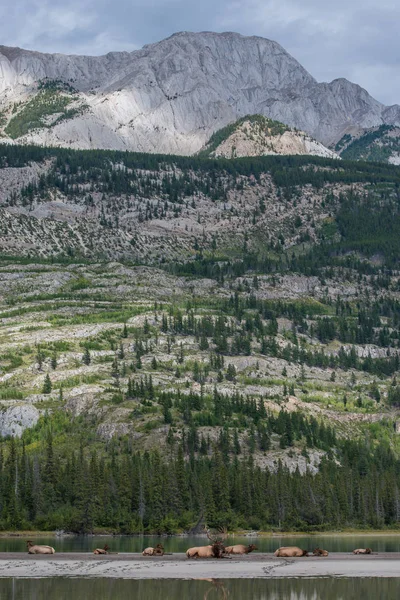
(337, 543)
(228, 589)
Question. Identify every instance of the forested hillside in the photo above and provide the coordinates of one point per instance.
(184, 338)
(376, 144)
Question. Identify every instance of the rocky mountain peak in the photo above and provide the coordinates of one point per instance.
(171, 96)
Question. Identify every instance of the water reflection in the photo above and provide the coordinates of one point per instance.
(216, 585)
(229, 589)
(333, 543)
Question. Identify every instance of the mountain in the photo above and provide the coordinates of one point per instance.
(170, 97)
(255, 135)
(375, 144)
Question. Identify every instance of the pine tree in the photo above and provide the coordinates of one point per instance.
(47, 385)
(115, 369)
(231, 372)
(86, 358)
(39, 358)
(54, 361)
(180, 355)
(236, 443)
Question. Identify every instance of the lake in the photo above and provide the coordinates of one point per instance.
(333, 543)
(60, 588)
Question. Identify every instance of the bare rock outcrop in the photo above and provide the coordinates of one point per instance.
(15, 419)
(169, 97)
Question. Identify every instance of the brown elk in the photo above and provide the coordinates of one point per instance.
(362, 551)
(320, 552)
(215, 550)
(290, 552)
(240, 549)
(101, 550)
(157, 551)
(34, 549)
(200, 552)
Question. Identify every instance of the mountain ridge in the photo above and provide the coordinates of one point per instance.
(171, 96)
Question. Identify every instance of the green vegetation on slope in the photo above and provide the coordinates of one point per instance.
(377, 145)
(52, 98)
(268, 127)
(258, 388)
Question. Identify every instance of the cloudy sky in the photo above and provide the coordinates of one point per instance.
(357, 39)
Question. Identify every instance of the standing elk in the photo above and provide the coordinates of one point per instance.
(240, 549)
(34, 549)
(101, 550)
(290, 552)
(362, 551)
(157, 551)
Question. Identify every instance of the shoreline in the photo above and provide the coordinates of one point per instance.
(244, 534)
(177, 566)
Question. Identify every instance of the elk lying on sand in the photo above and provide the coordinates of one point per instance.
(200, 552)
(362, 551)
(34, 549)
(157, 551)
(290, 551)
(320, 552)
(101, 550)
(240, 549)
(215, 550)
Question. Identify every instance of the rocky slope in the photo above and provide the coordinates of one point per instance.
(375, 144)
(256, 135)
(171, 96)
(149, 208)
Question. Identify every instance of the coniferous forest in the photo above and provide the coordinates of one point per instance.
(186, 339)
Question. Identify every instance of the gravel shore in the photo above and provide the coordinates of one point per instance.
(177, 566)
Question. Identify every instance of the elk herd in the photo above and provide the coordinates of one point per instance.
(216, 549)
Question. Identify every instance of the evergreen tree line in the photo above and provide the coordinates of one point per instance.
(131, 492)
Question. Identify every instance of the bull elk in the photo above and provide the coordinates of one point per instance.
(200, 552)
(34, 549)
(157, 551)
(240, 549)
(214, 550)
(320, 552)
(362, 551)
(290, 552)
(101, 550)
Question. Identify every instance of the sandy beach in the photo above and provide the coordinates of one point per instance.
(177, 566)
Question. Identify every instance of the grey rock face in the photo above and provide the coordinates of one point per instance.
(15, 419)
(171, 96)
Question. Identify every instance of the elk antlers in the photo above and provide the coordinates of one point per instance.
(218, 536)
